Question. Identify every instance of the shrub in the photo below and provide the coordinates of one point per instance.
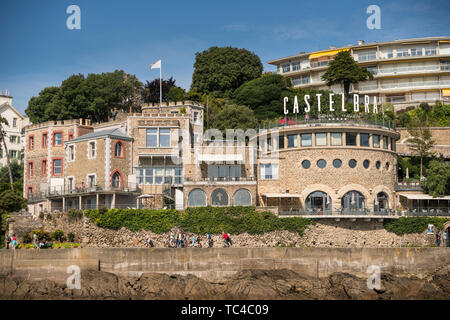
(41, 234)
(26, 238)
(71, 237)
(75, 245)
(234, 220)
(74, 214)
(58, 235)
(67, 245)
(406, 225)
(28, 246)
(19, 246)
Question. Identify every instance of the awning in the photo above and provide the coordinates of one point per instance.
(154, 155)
(446, 92)
(421, 196)
(280, 195)
(325, 53)
(220, 157)
(146, 196)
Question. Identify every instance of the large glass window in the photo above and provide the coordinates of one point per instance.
(306, 140)
(381, 202)
(350, 138)
(268, 171)
(158, 137)
(224, 172)
(295, 66)
(318, 202)
(353, 201)
(152, 138)
(242, 197)
(286, 67)
(336, 139)
(376, 140)
(364, 139)
(321, 139)
(164, 137)
(292, 141)
(158, 175)
(197, 198)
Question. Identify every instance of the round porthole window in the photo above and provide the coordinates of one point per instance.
(337, 163)
(306, 164)
(366, 164)
(321, 163)
(352, 163)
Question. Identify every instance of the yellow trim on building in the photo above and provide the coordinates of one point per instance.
(326, 53)
(446, 92)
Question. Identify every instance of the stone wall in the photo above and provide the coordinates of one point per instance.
(441, 136)
(324, 234)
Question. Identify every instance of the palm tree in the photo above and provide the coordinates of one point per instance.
(3, 121)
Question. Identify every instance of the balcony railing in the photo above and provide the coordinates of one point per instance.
(408, 186)
(295, 211)
(217, 179)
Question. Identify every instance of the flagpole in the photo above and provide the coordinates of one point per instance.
(160, 87)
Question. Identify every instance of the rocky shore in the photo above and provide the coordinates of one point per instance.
(247, 284)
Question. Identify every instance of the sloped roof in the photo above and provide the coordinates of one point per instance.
(7, 105)
(114, 133)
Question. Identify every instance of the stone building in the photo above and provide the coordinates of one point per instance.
(162, 158)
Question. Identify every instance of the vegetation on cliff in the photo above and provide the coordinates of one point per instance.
(234, 220)
(406, 225)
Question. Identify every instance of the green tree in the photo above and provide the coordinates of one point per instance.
(236, 117)
(264, 95)
(420, 142)
(152, 90)
(17, 177)
(437, 182)
(345, 70)
(222, 70)
(176, 94)
(93, 97)
(3, 121)
(10, 201)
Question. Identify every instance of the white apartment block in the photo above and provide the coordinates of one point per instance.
(406, 72)
(14, 133)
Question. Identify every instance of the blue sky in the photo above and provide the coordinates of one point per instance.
(37, 50)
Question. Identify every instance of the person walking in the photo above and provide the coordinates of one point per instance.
(8, 241)
(171, 238)
(229, 240)
(438, 239)
(14, 242)
(193, 241)
(35, 241)
(209, 239)
(147, 239)
(225, 238)
(199, 243)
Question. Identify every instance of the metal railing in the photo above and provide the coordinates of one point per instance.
(336, 213)
(408, 186)
(217, 179)
(429, 212)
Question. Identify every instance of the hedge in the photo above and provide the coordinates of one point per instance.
(234, 220)
(406, 225)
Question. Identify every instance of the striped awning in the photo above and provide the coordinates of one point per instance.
(326, 53)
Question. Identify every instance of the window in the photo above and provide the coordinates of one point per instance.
(13, 154)
(292, 141)
(44, 168)
(159, 175)
(57, 139)
(306, 164)
(14, 122)
(242, 197)
(286, 67)
(321, 163)
(295, 66)
(178, 175)
(337, 163)
(385, 142)
(367, 56)
(366, 164)
(269, 171)
(269, 144)
(350, 138)
(30, 169)
(352, 163)
(430, 51)
(44, 140)
(387, 166)
(378, 165)
(402, 52)
(118, 150)
(321, 139)
(57, 167)
(30, 192)
(445, 65)
(116, 180)
(31, 143)
(306, 140)
(281, 142)
(70, 184)
(158, 138)
(91, 180)
(336, 139)
(392, 144)
(376, 141)
(197, 198)
(195, 116)
(70, 136)
(91, 150)
(373, 70)
(364, 139)
(71, 153)
(416, 51)
(152, 138)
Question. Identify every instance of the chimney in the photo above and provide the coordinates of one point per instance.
(360, 42)
(332, 47)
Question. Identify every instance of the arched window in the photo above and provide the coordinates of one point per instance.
(219, 197)
(381, 202)
(197, 198)
(353, 201)
(116, 180)
(318, 202)
(242, 197)
(118, 150)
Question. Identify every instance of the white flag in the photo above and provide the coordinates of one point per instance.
(156, 65)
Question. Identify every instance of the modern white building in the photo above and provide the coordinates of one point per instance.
(14, 133)
(406, 72)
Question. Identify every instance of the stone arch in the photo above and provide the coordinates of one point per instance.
(446, 228)
(356, 187)
(220, 197)
(199, 201)
(240, 197)
(319, 187)
(381, 188)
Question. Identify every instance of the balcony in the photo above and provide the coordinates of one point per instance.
(408, 186)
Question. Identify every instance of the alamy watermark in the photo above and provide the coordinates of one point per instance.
(74, 280)
(374, 20)
(74, 20)
(374, 280)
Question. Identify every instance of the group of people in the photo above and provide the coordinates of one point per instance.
(11, 241)
(184, 240)
(438, 238)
